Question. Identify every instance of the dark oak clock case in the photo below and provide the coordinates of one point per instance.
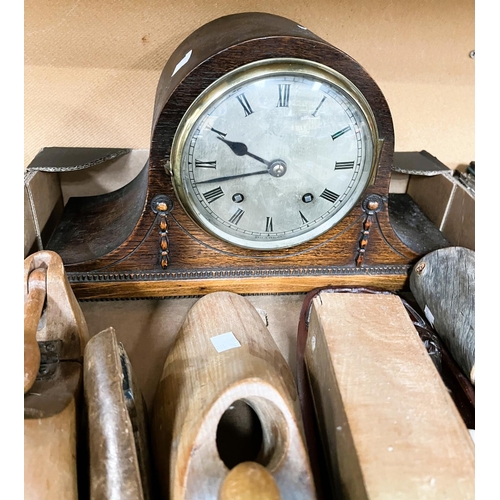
(139, 242)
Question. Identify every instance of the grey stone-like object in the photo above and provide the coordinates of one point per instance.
(443, 284)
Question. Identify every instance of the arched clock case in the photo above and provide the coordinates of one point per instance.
(268, 171)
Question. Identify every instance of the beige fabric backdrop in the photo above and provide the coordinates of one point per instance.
(91, 68)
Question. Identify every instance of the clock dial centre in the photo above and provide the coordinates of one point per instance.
(277, 168)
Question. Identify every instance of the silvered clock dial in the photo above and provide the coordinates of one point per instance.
(274, 153)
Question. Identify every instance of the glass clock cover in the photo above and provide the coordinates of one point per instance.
(274, 153)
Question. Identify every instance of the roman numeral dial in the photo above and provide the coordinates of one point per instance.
(319, 106)
(236, 217)
(284, 95)
(245, 104)
(344, 165)
(341, 132)
(273, 158)
(213, 194)
(205, 164)
(329, 196)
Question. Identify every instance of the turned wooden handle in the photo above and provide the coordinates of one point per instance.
(32, 311)
(247, 481)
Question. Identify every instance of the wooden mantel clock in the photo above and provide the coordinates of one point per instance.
(268, 172)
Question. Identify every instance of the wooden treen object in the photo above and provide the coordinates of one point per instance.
(227, 396)
(50, 468)
(117, 423)
(459, 386)
(389, 427)
(248, 481)
(443, 284)
(52, 403)
(33, 306)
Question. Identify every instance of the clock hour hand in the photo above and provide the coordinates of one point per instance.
(228, 177)
(240, 149)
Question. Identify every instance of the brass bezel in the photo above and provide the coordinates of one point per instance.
(246, 74)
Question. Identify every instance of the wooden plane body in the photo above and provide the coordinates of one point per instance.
(227, 396)
(117, 423)
(55, 336)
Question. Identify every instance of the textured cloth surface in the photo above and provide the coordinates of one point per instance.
(91, 68)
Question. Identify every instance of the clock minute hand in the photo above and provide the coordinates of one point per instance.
(228, 177)
(240, 149)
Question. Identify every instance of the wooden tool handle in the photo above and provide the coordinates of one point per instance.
(32, 311)
(247, 481)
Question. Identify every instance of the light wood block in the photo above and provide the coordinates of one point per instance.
(50, 444)
(389, 425)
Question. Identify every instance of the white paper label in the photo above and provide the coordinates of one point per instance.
(429, 316)
(225, 341)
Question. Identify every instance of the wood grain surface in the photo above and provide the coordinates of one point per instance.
(33, 306)
(389, 426)
(151, 288)
(213, 397)
(50, 468)
(443, 283)
(148, 329)
(118, 443)
(52, 405)
(64, 317)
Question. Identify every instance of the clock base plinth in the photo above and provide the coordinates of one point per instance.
(164, 284)
(166, 254)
